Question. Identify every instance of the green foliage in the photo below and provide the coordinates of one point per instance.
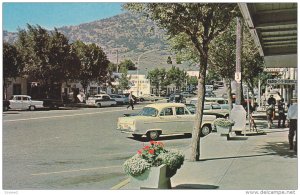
(252, 62)
(93, 63)
(177, 77)
(11, 61)
(47, 57)
(127, 64)
(124, 80)
(222, 122)
(153, 155)
(222, 53)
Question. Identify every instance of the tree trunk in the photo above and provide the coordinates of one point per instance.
(228, 91)
(195, 145)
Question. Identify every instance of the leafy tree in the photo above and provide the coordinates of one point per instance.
(93, 64)
(47, 57)
(177, 77)
(128, 64)
(192, 81)
(158, 78)
(222, 57)
(11, 65)
(252, 62)
(124, 81)
(197, 24)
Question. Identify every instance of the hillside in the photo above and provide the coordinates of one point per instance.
(123, 36)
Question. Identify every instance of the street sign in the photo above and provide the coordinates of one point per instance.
(281, 82)
(238, 77)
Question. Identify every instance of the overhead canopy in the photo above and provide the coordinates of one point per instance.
(274, 29)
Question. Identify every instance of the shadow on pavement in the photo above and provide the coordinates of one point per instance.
(230, 157)
(163, 138)
(280, 148)
(195, 186)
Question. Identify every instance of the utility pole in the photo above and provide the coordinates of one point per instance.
(238, 71)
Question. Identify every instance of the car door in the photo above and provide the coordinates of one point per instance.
(25, 102)
(166, 120)
(105, 100)
(184, 120)
(16, 102)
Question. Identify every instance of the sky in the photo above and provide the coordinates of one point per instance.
(49, 15)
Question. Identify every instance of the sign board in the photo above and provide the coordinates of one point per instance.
(238, 77)
(281, 82)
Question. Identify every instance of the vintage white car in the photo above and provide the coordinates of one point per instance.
(149, 97)
(24, 102)
(163, 118)
(101, 100)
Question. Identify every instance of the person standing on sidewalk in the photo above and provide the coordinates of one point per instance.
(292, 115)
(281, 114)
(131, 101)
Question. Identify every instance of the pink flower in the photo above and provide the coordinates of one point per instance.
(146, 147)
(139, 152)
(151, 151)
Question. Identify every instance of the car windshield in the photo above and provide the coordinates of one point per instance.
(148, 111)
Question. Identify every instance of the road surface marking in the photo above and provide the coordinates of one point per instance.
(121, 184)
(61, 116)
(74, 170)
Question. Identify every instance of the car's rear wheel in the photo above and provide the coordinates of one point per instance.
(31, 108)
(205, 130)
(98, 105)
(142, 99)
(153, 135)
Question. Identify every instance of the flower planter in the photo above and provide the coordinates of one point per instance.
(224, 130)
(153, 178)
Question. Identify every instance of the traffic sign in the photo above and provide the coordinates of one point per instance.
(238, 77)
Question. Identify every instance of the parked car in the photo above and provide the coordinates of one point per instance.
(150, 97)
(210, 94)
(186, 94)
(209, 87)
(120, 99)
(6, 105)
(101, 100)
(210, 109)
(53, 103)
(176, 98)
(24, 102)
(127, 98)
(163, 118)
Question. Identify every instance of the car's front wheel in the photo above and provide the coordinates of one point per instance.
(142, 99)
(205, 130)
(153, 135)
(31, 108)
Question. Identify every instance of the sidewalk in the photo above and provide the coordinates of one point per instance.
(257, 162)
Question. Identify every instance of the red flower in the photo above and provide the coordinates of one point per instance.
(151, 151)
(160, 144)
(152, 142)
(139, 152)
(146, 147)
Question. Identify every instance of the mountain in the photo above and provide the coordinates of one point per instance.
(124, 36)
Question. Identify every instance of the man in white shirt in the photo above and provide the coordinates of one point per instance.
(292, 115)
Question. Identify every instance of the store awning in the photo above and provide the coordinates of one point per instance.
(274, 29)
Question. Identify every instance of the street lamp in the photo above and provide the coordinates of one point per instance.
(137, 69)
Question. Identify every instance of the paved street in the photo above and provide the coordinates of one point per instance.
(77, 148)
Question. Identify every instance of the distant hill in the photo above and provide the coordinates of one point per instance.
(123, 36)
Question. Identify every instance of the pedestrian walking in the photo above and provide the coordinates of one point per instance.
(270, 115)
(281, 113)
(271, 100)
(292, 116)
(131, 101)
